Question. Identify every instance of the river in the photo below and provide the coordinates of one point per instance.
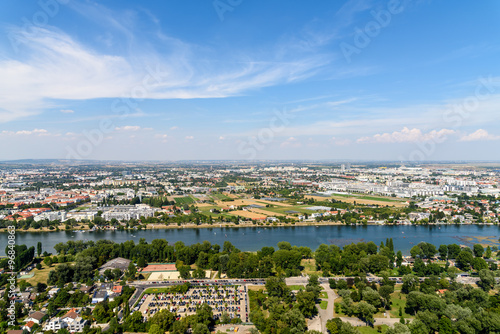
(254, 238)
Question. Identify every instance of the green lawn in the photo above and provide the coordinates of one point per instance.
(398, 300)
(297, 287)
(323, 304)
(323, 295)
(309, 266)
(156, 290)
(184, 200)
(370, 330)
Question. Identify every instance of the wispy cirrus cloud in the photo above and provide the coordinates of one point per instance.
(407, 135)
(30, 84)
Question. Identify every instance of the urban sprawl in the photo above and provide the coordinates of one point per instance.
(157, 287)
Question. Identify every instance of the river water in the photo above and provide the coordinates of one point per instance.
(254, 238)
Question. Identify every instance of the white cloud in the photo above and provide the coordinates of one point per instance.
(189, 137)
(67, 111)
(30, 83)
(291, 142)
(162, 136)
(38, 132)
(132, 128)
(407, 135)
(479, 135)
(174, 128)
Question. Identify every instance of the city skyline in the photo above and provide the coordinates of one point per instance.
(357, 80)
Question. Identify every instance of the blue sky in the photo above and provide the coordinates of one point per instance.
(250, 80)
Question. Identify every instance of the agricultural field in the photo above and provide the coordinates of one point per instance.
(184, 200)
(364, 199)
(220, 197)
(248, 214)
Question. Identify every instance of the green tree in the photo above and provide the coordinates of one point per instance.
(204, 315)
(48, 261)
(141, 263)
(478, 250)
(385, 292)
(398, 329)
(416, 251)
(366, 311)
(163, 319)
(464, 260)
(488, 253)
(445, 326)
(201, 329)
(39, 248)
(307, 303)
(131, 270)
(331, 326)
(134, 323)
(410, 283)
(443, 252)
(155, 329)
(399, 258)
(276, 287)
(487, 279)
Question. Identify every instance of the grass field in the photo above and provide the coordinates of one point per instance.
(184, 200)
(309, 266)
(220, 197)
(370, 330)
(248, 214)
(297, 287)
(323, 295)
(41, 275)
(339, 313)
(323, 304)
(156, 290)
(364, 199)
(398, 300)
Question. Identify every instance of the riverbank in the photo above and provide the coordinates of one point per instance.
(85, 228)
(183, 226)
(249, 237)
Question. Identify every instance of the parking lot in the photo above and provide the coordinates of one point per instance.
(230, 299)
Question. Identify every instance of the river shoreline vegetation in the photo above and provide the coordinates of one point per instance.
(292, 212)
(430, 297)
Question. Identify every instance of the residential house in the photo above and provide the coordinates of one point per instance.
(54, 324)
(99, 296)
(28, 326)
(52, 292)
(36, 317)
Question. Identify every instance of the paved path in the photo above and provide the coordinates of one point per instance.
(378, 321)
(327, 314)
(315, 324)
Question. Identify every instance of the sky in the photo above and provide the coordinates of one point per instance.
(403, 80)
